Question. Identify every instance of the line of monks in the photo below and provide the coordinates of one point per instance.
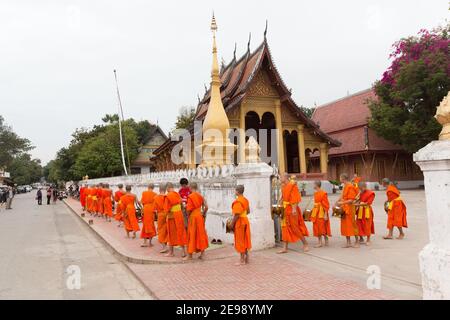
(180, 216)
(357, 213)
(177, 219)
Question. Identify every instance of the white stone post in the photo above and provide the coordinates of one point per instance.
(256, 180)
(434, 160)
(434, 259)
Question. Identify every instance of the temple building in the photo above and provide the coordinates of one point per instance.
(254, 96)
(142, 163)
(362, 151)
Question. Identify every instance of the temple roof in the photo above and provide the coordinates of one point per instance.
(346, 120)
(236, 78)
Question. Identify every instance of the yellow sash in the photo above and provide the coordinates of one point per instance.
(176, 208)
(318, 208)
(365, 209)
(243, 214)
(94, 198)
(283, 220)
(391, 203)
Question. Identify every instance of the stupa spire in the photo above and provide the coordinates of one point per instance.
(215, 118)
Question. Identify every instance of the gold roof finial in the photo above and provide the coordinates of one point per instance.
(213, 24)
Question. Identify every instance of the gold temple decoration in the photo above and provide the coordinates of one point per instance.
(443, 117)
(252, 150)
(216, 148)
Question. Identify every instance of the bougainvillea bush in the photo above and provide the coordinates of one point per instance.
(411, 89)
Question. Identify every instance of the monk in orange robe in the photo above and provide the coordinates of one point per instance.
(89, 199)
(83, 197)
(293, 226)
(100, 199)
(196, 207)
(241, 225)
(176, 230)
(346, 201)
(161, 207)
(94, 204)
(148, 212)
(128, 202)
(364, 213)
(117, 195)
(396, 210)
(319, 215)
(107, 202)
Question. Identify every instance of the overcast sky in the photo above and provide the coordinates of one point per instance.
(57, 57)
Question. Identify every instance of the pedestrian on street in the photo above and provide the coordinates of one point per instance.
(49, 195)
(2, 197)
(9, 199)
(55, 195)
(39, 196)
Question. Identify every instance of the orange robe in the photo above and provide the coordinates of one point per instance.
(107, 202)
(117, 195)
(176, 231)
(397, 209)
(348, 223)
(321, 227)
(364, 214)
(89, 199)
(293, 226)
(161, 207)
(242, 236)
(148, 212)
(94, 204)
(83, 197)
(100, 200)
(130, 220)
(197, 237)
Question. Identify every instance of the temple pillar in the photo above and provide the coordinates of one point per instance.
(280, 149)
(323, 158)
(301, 147)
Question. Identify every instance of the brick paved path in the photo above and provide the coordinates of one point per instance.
(268, 276)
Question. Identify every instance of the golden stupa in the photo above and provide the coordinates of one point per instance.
(216, 148)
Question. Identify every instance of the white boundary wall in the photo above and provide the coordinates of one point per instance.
(217, 185)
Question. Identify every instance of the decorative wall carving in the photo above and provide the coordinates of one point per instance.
(261, 86)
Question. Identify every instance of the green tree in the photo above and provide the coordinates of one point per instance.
(185, 117)
(412, 88)
(11, 145)
(101, 155)
(25, 170)
(307, 111)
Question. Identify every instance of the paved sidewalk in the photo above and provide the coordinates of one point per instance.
(130, 249)
(268, 276)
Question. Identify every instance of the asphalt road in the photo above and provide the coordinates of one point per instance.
(47, 253)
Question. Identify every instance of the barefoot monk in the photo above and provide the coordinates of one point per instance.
(196, 207)
(348, 223)
(148, 220)
(176, 229)
(396, 210)
(293, 226)
(241, 225)
(319, 215)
